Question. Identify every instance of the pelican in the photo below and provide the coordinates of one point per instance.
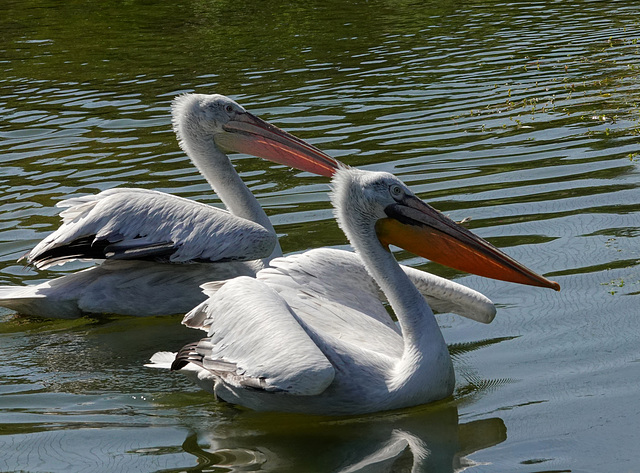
(134, 230)
(275, 345)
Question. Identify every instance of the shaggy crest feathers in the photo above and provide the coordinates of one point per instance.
(193, 113)
(359, 197)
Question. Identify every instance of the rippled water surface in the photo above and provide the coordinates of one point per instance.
(523, 116)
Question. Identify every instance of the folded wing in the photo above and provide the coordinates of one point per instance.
(149, 225)
(255, 340)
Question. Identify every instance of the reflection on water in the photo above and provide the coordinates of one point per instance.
(522, 115)
(423, 439)
(75, 395)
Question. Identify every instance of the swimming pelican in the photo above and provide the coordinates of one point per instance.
(135, 229)
(276, 345)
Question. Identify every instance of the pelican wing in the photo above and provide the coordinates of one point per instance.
(149, 225)
(334, 303)
(445, 296)
(340, 276)
(331, 276)
(255, 340)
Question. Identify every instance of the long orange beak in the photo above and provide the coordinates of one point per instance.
(419, 228)
(249, 134)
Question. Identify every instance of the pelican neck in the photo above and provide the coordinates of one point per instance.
(217, 169)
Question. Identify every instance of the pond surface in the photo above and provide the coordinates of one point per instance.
(523, 116)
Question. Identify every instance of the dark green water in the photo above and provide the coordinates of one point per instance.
(523, 115)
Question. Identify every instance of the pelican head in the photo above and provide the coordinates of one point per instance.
(203, 121)
(364, 199)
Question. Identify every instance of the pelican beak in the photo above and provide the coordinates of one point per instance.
(248, 134)
(419, 228)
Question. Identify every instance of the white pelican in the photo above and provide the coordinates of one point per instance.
(150, 227)
(276, 345)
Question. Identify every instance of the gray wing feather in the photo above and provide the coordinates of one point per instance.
(143, 224)
(250, 326)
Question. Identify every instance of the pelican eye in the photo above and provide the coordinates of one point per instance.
(396, 190)
(228, 108)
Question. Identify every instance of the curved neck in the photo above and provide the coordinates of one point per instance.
(425, 354)
(414, 315)
(217, 169)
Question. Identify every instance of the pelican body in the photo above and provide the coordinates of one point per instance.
(275, 345)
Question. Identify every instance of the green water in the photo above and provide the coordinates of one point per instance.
(522, 115)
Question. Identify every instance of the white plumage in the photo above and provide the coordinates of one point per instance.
(134, 288)
(305, 336)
